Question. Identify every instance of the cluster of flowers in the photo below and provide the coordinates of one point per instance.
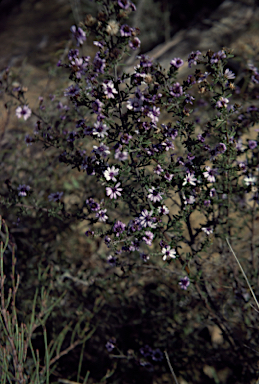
(141, 161)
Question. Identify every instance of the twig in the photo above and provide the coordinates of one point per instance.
(171, 368)
(243, 272)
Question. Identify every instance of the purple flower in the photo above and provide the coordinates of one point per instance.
(125, 30)
(134, 43)
(99, 64)
(78, 34)
(109, 89)
(99, 44)
(168, 176)
(145, 61)
(23, 189)
(102, 215)
(158, 170)
(55, 196)
(29, 140)
(121, 156)
(177, 62)
(112, 260)
(72, 54)
(229, 74)
(125, 138)
(189, 99)
(242, 166)
(154, 195)
(97, 106)
(107, 240)
(134, 245)
(92, 204)
(148, 238)
(102, 150)
(255, 77)
(157, 355)
(89, 233)
(184, 283)
(217, 56)
(200, 138)
(221, 148)
(114, 192)
(23, 111)
(252, 108)
(191, 79)
(176, 90)
(125, 4)
(110, 345)
(146, 351)
(135, 104)
(110, 173)
(168, 144)
(212, 192)
(79, 65)
(202, 77)
(192, 58)
(144, 257)
(252, 144)
(72, 91)
(119, 227)
(71, 136)
(188, 200)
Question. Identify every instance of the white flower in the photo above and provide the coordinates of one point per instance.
(102, 215)
(207, 230)
(163, 210)
(24, 112)
(250, 180)
(168, 252)
(189, 178)
(100, 129)
(146, 219)
(110, 173)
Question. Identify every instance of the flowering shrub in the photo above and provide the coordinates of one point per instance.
(159, 150)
